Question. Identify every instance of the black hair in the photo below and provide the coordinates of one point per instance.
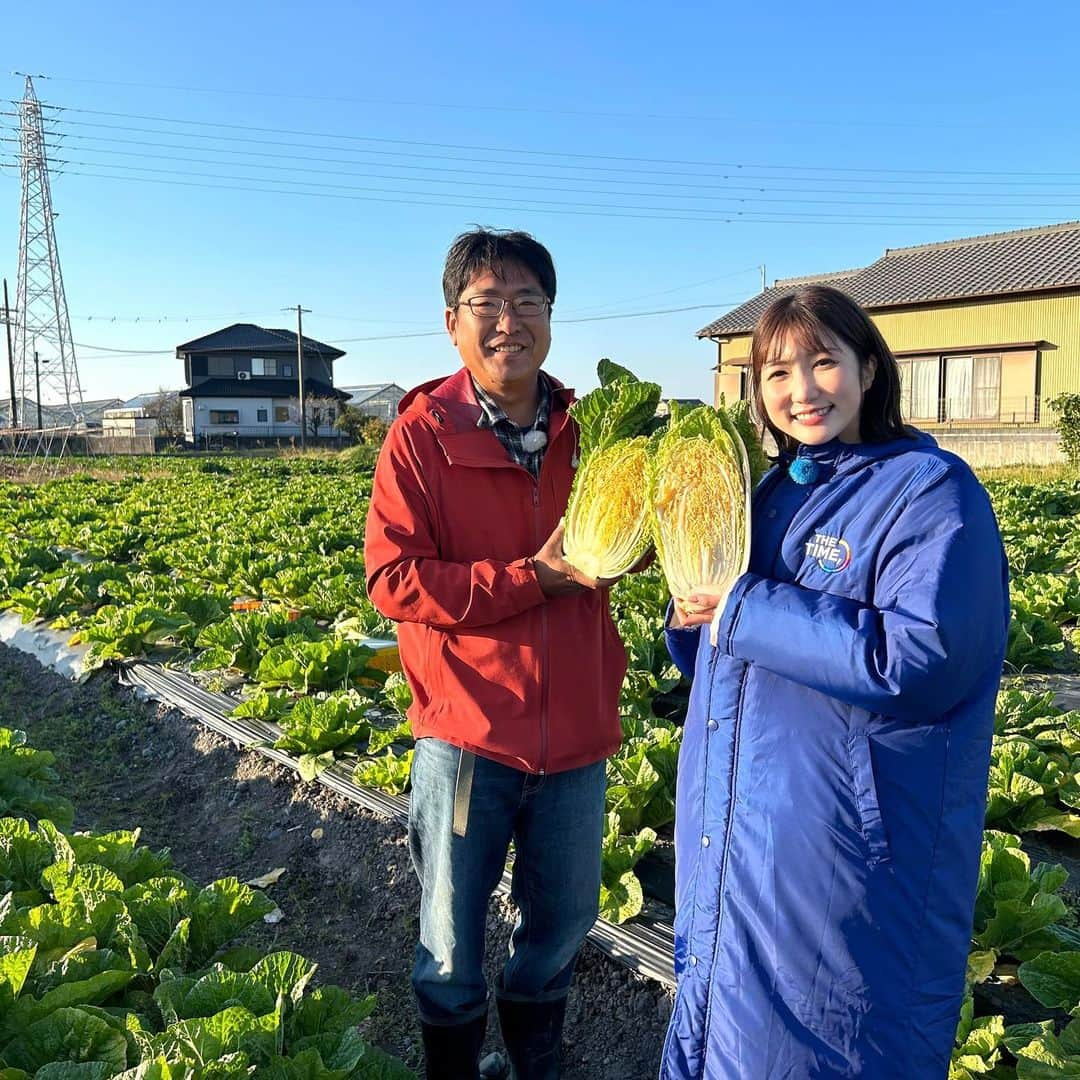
(810, 313)
(483, 249)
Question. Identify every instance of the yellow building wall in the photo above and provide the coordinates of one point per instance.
(956, 327)
(1055, 319)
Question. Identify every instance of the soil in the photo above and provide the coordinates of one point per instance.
(348, 894)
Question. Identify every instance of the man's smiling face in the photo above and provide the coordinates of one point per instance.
(503, 354)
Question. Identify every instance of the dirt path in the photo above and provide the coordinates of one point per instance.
(348, 894)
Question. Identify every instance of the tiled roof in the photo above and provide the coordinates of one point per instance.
(260, 388)
(1028, 260)
(746, 315)
(247, 337)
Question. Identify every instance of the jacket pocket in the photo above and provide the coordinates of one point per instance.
(866, 799)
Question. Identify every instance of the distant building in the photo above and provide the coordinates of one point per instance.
(149, 400)
(243, 384)
(90, 413)
(377, 399)
(986, 329)
(127, 423)
(684, 403)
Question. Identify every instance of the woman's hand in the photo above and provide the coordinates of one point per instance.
(697, 609)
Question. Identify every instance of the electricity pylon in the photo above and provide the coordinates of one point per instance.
(45, 367)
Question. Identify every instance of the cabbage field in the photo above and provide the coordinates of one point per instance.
(113, 963)
(248, 574)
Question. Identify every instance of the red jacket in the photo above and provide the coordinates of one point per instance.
(495, 666)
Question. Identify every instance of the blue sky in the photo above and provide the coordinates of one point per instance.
(663, 152)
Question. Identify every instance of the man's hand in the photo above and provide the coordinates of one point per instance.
(697, 609)
(643, 563)
(555, 575)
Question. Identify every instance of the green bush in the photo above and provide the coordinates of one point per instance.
(1067, 409)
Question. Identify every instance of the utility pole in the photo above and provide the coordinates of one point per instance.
(762, 269)
(300, 312)
(10, 357)
(37, 380)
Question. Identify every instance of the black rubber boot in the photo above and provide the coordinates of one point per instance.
(451, 1052)
(532, 1031)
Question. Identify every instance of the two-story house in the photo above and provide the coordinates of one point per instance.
(243, 384)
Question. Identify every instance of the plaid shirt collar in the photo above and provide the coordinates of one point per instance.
(507, 432)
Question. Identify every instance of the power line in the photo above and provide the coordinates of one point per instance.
(472, 149)
(637, 173)
(126, 352)
(634, 212)
(147, 320)
(607, 114)
(1018, 199)
(739, 199)
(642, 314)
(441, 333)
(668, 292)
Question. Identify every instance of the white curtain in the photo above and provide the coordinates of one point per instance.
(986, 387)
(958, 382)
(924, 389)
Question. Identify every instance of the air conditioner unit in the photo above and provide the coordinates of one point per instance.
(243, 376)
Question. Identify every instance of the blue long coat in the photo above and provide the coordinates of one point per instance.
(832, 778)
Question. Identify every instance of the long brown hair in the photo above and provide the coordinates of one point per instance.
(810, 313)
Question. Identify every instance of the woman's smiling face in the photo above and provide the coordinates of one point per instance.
(813, 391)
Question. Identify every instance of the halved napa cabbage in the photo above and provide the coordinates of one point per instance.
(699, 483)
(607, 517)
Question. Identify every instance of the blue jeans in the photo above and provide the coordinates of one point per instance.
(556, 822)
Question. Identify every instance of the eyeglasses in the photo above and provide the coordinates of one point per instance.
(491, 307)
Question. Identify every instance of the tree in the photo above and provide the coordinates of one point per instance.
(166, 409)
(373, 430)
(350, 421)
(361, 427)
(321, 410)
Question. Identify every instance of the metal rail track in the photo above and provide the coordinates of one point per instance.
(645, 945)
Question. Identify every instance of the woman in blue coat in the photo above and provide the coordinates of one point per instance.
(832, 779)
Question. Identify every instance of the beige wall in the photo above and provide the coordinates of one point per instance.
(1018, 382)
(726, 386)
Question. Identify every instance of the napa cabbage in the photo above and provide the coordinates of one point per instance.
(607, 517)
(698, 490)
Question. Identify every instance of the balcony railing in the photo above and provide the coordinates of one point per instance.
(1028, 411)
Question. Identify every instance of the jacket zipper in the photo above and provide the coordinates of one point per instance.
(543, 642)
(729, 818)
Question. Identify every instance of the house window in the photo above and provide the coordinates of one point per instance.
(221, 367)
(972, 387)
(281, 414)
(330, 413)
(261, 365)
(919, 388)
(224, 416)
(286, 371)
(263, 415)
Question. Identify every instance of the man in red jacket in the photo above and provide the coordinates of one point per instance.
(512, 656)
